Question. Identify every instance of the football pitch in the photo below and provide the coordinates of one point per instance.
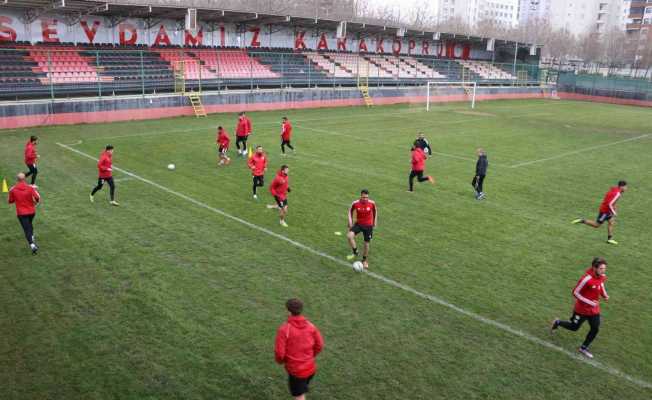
(177, 293)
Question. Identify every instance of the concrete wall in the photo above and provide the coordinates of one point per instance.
(122, 108)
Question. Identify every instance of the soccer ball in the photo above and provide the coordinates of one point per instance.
(358, 267)
(171, 167)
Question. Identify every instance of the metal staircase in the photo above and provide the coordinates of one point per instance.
(197, 106)
(363, 83)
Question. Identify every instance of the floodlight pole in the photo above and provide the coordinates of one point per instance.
(515, 55)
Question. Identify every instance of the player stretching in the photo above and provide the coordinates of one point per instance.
(607, 211)
(280, 188)
(286, 135)
(242, 132)
(258, 165)
(26, 198)
(30, 158)
(423, 143)
(366, 217)
(418, 165)
(587, 295)
(223, 142)
(105, 168)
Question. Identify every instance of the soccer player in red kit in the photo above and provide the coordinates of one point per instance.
(366, 217)
(30, 158)
(105, 169)
(242, 132)
(223, 142)
(26, 197)
(286, 135)
(280, 188)
(418, 166)
(258, 165)
(587, 293)
(607, 211)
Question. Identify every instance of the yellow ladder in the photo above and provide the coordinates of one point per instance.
(363, 82)
(197, 106)
(365, 95)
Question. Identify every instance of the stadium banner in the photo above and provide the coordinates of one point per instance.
(91, 29)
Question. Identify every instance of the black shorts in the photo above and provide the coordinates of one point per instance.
(299, 386)
(241, 139)
(259, 180)
(284, 142)
(222, 150)
(281, 203)
(603, 217)
(367, 231)
(100, 181)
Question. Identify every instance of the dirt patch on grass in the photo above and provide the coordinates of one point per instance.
(477, 113)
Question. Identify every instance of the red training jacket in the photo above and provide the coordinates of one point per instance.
(258, 163)
(286, 131)
(25, 196)
(418, 159)
(587, 293)
(241, 127)
(280, 186)
(608, 204)
(30, 153)
(297, 344)
(105, 165)
(365, 213)
(223, 139)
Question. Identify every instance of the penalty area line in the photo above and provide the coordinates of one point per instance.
(384, 279)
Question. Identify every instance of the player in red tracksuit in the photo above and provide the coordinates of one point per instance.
(366, 217)
(26, 197)
(418, 166)
(297, 344)
(242, 132)
(105, 169)
(607, 211)
(223, 142)
(258, 165)
(280, 188)
(587, 295)
(30, 158)
(286, 135)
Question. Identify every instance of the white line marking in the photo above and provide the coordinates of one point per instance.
(391, 282)
(570, 153)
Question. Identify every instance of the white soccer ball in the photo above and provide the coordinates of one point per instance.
(358, 267)
(171, 167)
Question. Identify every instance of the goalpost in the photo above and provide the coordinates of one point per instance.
(469, 88)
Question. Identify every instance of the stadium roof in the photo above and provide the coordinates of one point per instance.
(176, 10)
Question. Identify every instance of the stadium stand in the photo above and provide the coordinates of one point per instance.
(486, 70)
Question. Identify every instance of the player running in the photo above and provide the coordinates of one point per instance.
(418, 166)
(26, 197)
(480, 172)
(587, 295)
(366, 218)
(607, 211)
(258, 165)
(30, 158)
(423, 143)
(280, 188)
(105, 168)
(286, 135)
(242, 132)
(223, 142)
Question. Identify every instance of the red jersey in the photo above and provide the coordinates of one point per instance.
(588, 291)
(365, 213)
(241, 128)
(418, 159)
(25, 196)
(105, 165)
(258, 163)
(280, 186)
(297, 344)
(608, 204)
(223, 139)
(30, 153)
(286, 131)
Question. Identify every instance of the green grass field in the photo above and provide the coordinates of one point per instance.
(167, 298)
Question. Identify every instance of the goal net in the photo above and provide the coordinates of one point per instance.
(464, 90)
